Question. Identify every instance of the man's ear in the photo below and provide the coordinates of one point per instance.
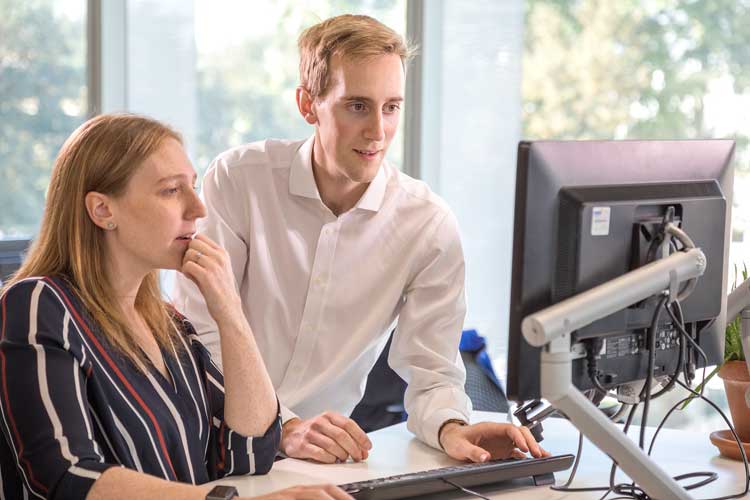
(98, 207)
(305, 105)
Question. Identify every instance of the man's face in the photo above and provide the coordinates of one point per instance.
(358, 116)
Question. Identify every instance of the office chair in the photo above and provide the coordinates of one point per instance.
(383, 401)
(482, 385)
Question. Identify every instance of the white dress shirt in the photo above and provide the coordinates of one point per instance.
(321, 292)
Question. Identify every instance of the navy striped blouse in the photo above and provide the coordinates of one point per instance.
(72, 406)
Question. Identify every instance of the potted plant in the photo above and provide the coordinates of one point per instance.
(734, 373)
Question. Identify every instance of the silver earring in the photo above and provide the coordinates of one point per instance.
(111, 225)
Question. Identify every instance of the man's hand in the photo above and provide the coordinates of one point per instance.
(488, 440)
(328, 438)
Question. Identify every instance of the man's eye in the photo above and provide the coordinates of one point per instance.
(392, 108)
(358, 106)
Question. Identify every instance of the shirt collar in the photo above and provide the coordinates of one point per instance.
(302, 180)
(373, 197)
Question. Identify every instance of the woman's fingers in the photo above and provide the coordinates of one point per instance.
(204, 248)
(205, 239)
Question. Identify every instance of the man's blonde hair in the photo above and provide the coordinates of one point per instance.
(354, 37)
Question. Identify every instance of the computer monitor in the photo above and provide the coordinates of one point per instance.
(12, 253)
(585, 213)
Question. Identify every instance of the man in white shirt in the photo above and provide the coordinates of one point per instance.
(331, 246)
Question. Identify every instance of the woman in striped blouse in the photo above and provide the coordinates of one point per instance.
(96, 370)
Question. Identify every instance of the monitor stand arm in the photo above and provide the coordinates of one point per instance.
(551, 328)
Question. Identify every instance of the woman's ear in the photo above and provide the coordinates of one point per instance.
(305, 105)
(98, 206)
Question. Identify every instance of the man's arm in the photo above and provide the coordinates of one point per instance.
(425, 353)
(425, 346)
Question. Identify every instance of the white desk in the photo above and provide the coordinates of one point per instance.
(396, 451)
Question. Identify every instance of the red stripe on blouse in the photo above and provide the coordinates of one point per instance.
(117, 372)
(10, 414)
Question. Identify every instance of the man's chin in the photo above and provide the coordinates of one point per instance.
(367, 173)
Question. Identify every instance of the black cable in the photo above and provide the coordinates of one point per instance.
(566, 487)
(678, 368)
(646, 391)
(593, 347)
(736, 438)
(695, 345)
(684, 332)
(681, 322)
(625, 489)
(631, 490)
(688, 376)
(661, 235)
(613, 470)
(465, 490)
(664, 420)
(708, 476)
(688, 337)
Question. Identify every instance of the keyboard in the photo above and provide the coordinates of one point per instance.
(466, 475)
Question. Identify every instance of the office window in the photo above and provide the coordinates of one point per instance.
(247, 67)
(643, 70)
(470, 125)
(224, 72)
(42, 99)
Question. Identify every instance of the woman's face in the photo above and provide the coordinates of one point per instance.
(156, 214)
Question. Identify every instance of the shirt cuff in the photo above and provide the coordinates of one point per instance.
(431, 426)
(287, 414)
(251, 455)
(78, 479)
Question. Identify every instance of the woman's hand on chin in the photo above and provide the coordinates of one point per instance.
(208, 266)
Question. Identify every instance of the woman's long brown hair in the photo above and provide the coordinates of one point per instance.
(101, 155)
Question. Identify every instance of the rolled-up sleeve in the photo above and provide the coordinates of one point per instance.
(425, 346)
(229, 452)
(45, 420)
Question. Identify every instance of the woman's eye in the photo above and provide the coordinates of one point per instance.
(171, 190)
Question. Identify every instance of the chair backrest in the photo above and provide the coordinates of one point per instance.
(484, 393)
(383, 401)
(482, 385)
